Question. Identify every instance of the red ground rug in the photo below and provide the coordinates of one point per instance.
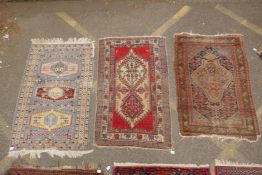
(133, 103)
(213, 87)
(238, 170)
(160, 170)
(33, 171)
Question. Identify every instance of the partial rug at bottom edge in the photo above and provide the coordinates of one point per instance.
(53, 105)
(232, 168)
(159, 169)
(50, 171)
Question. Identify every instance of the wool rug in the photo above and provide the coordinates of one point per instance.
(34, 171)
(132, 95)
(213, 87)
(151, 169)
(53, 104)
(230, 168)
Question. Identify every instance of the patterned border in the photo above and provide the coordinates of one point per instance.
(239, 170)
(129, 169)
(165, 95)
(236, 39)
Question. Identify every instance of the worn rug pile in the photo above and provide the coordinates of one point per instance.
(213, 87)
(53, 104)
(125, 169)
(132, 101)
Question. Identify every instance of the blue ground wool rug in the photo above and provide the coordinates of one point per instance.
(53, 104)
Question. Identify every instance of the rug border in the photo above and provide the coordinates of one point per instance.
(254, 116)
(164, 146)
(216, 167)
(220, 137)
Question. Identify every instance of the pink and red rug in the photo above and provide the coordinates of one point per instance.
(160, 170)
(230, 168)
(213, 87)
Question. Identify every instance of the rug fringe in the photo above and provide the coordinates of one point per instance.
(221, 138)
(135, 37)
(163, 165)
(197, 34)
(52, 152)
(133, 147)
(51, 168)
(61, 41)
(237, 164)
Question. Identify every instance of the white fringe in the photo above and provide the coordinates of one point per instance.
(221, 138)
(162, 165)
(52, 152)
(62, 41)
(51, 168)
(133, 37)
(133, 148)
(197, 34)
(235, 164)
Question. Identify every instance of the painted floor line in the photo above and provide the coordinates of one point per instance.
(171, 21)
(229, 151)
(239, 19)
(74, 24)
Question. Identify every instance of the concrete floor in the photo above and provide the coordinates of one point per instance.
(104, 18)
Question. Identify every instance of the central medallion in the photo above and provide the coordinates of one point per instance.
(56, 92)
(50, 120)
(132, 106)
(132, 71)
(212, 78)
(59, 67)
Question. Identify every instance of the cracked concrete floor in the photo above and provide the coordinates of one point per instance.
(21, 21)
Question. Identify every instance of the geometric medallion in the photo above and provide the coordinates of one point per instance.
(132, 71)
(132, 107)
(55, 93)
(212, 78)
(50, 120)
(59, 68)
